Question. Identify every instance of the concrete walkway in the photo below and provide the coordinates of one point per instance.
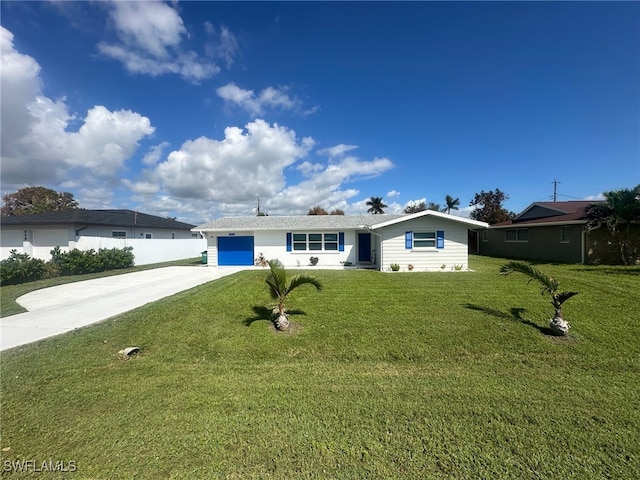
(56, 310)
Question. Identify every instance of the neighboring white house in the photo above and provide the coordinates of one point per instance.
(427, 240)
(154, 239)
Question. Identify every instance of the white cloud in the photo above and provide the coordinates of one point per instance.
(223, 46)
(256, 104)
(151, 27)
(337, 150)
(224, 177)
(244, 164)
(325, 187)
(596, 198)
(393, 194)
(142, 187)
(155, 153)
(37, 144)
(151, 41)
(308, 168)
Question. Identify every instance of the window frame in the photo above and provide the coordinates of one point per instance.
(314, 242)
(564, 234)
(415, 239)
(518, 235)
(118, 232)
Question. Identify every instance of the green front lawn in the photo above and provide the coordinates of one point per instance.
(385, 375)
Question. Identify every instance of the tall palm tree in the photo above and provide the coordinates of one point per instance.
(376, 205)
(452, 203)
(621, 209)
(549, 285)
(280, 288)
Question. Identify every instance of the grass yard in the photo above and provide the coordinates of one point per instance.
(385, 375)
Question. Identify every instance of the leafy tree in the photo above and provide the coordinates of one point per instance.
(414, 207)
(317, 210)
(376, 205)
(621, 209)
(280, 288)
(434, 206)
(452, 203)
(31, 200)
(337, 211)
(489, 207)
(549, 285)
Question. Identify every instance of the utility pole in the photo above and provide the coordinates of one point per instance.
(258, 205)
(555, 189)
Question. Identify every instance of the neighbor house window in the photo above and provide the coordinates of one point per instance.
(148, 235)
(564, 234)
(118, 234)
(484, 235)
(517, 235)
(315, 242)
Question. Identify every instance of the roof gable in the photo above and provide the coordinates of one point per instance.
(432, 213)
(550, 213)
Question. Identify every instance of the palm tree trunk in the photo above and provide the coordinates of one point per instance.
(281, 322)
(559, 326)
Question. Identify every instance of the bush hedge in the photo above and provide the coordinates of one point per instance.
(21, 268)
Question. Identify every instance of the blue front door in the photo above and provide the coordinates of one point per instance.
(235, 251)
(364, 247)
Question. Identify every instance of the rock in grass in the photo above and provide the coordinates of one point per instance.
(129, 352)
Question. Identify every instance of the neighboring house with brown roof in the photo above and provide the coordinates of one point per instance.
(547, 231)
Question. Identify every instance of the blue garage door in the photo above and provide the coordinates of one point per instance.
(234, 251)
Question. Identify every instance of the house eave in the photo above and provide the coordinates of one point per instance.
(539, 224)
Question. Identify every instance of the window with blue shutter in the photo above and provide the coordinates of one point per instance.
(341, 241)
(424, 240)
(289, 242)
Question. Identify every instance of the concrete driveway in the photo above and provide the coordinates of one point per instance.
(60, 309)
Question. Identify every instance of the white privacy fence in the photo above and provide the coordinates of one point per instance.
(149, 250)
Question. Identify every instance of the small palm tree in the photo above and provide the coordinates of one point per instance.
(279, 289)
(376, 205)
(549, 285)
(452, 203)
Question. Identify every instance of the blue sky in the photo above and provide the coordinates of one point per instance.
(193, 109)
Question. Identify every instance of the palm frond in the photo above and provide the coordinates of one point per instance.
(547, 283)
(275, 292)
(278, 274)
(303, 279)
(562, 297)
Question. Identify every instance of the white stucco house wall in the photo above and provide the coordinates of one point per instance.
(426, 240)
(154, 239)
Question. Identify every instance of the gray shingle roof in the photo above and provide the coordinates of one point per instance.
(80, 216)
(301, 222)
